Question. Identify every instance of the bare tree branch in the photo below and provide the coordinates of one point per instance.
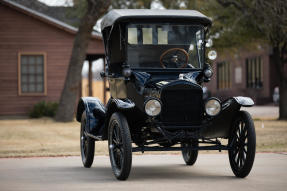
(227, 3)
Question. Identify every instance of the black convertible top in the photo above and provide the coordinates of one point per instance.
(116, 15)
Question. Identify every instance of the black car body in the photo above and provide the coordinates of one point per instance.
(155, 68)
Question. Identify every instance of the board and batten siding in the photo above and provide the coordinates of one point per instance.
(21, 33)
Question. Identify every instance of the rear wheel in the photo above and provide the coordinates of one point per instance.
(120, 147)
(87, 144)
(189, 155)
(243, 143)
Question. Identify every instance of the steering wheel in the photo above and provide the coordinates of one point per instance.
(174, 58)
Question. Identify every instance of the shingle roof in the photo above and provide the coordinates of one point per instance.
(61, 13)
(42, 14)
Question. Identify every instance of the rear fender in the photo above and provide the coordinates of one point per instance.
(95, 113)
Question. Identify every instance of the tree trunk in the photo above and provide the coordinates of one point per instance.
(95, 8)
(283, 101)
(279, 64)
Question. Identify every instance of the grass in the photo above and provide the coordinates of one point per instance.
(45, 137)
(41, 137)
(271, 135)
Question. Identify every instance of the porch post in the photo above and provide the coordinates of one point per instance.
(90, 77)
(105, 87)
(80, 87)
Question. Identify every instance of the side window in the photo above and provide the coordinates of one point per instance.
(147, 35)
(132, 36)
(162, 36)
(31, 74)
(223, 75)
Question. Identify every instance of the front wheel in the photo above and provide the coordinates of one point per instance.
(120, 147)
(243, 145)
(189, 155)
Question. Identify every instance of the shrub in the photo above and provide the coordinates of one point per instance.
(44, 109)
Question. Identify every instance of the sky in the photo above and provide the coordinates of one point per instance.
(155, 4)
(57, 2)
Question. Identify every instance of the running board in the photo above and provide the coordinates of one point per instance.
(97, 138)
(142, 149)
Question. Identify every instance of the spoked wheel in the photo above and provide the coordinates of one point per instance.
(243, 143)
(87, 144)
(120, 148)
(189, 155)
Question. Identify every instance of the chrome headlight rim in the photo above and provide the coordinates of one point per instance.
(152, 99)
(216, 99)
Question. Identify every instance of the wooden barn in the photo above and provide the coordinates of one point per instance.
(34, 55)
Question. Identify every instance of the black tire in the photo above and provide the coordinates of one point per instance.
(87, 144)
(243, 142)
(120, 146)
(189, 155)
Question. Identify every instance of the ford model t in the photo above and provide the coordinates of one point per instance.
(155, 68)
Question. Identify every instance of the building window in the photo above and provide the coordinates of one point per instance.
(254, 74)
(32, 74)
(223, 75)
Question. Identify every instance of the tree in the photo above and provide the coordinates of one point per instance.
(94, 10)
(264, 20)
(131, 4)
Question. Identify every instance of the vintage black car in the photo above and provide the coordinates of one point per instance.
(156, 67)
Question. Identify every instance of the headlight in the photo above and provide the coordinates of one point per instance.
(212, 107)
(152, 107)
(208, 73)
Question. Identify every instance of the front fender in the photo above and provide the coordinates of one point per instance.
(244, 101)
(220, 125)
(95, 113)
(116, 105)
(119, 105)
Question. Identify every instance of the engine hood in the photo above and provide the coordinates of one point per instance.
(146, 80)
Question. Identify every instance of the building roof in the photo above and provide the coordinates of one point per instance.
(123, 14)
(45, 18)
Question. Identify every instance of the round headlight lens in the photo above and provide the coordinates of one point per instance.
(208, 73)
(212, 107)
(152, 107)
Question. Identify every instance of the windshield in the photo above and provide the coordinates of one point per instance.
(165, 46)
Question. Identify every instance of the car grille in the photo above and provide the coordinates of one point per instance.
(182, 105)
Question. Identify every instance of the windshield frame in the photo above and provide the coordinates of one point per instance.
(199, 56)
